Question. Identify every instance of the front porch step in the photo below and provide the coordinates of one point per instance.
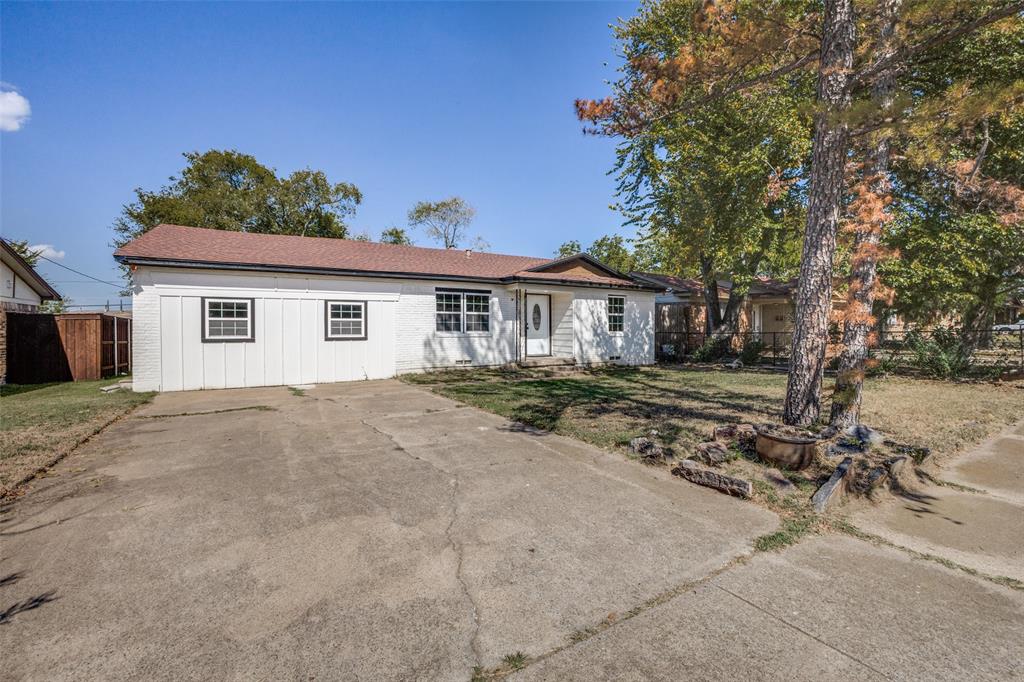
(547, 362)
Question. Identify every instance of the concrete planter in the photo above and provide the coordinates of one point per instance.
(791, 452)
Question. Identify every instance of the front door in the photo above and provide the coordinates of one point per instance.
(538, 324)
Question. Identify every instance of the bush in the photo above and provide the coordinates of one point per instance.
(751, 353)
(712, 350)
(941, 354)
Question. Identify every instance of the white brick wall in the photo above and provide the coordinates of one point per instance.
(145, 333)
(595, 344)
(421, 347)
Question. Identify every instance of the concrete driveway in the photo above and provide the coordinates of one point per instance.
(360, 531)
(376, 531)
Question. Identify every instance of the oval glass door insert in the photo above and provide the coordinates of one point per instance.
(536, 316)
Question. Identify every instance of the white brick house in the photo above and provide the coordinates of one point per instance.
(216, 309)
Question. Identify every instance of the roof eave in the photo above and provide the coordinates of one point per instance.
(293, 269)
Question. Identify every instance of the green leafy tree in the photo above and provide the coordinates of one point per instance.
(21, 247)
(713, 190)
(55, 307)
(624, 255)
(569, 248)
(445, 222)
(395, 235)
(228, 190)
(748, 46)
(939, 154)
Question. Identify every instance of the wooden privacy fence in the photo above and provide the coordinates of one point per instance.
(66, 347)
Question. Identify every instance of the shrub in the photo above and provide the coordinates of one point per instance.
(712, 350)
(751, 353)
(941, 354)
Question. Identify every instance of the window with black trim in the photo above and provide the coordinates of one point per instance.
(228, 319)
(616, 313)
(345, 320)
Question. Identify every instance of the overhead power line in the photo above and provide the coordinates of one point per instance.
(95, 279)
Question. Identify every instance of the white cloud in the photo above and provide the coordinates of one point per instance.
(47, 251)
(14, 109)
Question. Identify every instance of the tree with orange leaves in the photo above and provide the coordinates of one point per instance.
(745, 46)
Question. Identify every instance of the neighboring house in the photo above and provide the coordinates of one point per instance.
(22, 290)
(681, 307)
(216, 309)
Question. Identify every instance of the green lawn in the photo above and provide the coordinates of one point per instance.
(43, 422)
(608, 407)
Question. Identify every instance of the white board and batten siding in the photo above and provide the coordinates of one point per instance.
(289, 345)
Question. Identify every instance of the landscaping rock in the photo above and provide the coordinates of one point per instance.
(712, 452)
(877, 477)
(778, 481)
(724, 432)
(920, 454)
(828, 432)
(733, 431)
(834, 488)
(647, 449)
(896, 465)
(730, 485)
(864, 434)
(843, 450)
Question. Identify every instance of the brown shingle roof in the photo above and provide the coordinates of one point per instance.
(764, 286)
(193, 245)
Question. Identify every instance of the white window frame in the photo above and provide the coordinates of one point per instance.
(330, 336)
(250, 319)
(621, 316)
(463, 313)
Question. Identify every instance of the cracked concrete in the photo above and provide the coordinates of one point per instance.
(981, 527)
(828, 608)
(377, 531)
(362, 531)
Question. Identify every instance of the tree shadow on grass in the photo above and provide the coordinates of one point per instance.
(621, 392)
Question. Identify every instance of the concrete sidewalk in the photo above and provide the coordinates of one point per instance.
(980, 526)
(829, 608)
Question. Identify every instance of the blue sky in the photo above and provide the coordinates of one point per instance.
(408, 101)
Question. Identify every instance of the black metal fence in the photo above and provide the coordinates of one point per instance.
(771, 348)
(934, 352)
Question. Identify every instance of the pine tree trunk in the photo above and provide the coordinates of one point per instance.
(846, 399)
(828, 158)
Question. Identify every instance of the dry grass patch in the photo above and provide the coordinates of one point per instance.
(608, 407)
(42, 423)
